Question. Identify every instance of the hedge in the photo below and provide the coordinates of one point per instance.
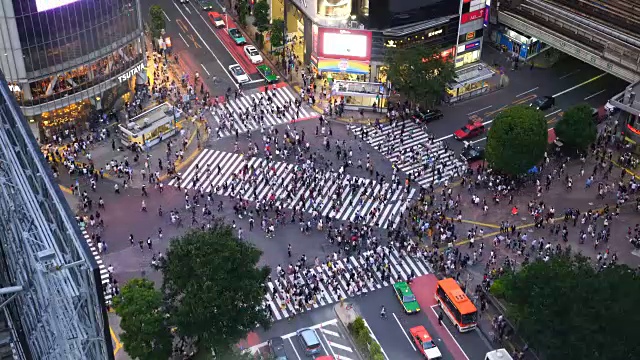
(368, 347)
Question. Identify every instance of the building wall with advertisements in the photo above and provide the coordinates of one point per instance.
(341, 50)
(473, 20)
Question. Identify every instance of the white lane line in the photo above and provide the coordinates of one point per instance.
(205, 69)
(339, 346)
(476, 141)
(376, 340)
(255, 81)
(187, 8)
(446, 328)
(185, 41)
(255, 348)
(582, 83)
(324, 347)
(487, 122)
(528, 91)
(477, 111)
(329, 332)
(553, 113)
(569, 74)
(317, 326)
(165, 15)
(205, 44)
(598, 93)
(444, 138)
(294, 349)
(404, 332)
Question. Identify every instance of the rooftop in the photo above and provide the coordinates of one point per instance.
(628, 100)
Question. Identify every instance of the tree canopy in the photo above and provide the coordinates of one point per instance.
(277, 33)
(517, 140)
(419, 72)
(145, 335)
(576, 129)
(214, 288)
(567, 310)
(261, 15)
(157, 21)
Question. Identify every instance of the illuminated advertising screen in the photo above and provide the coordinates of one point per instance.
(471, 16)
(344, 44)
(44, 5)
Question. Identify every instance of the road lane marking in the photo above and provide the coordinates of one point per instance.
(488, 122)
(182, 25)
(451, 335)
(165, 15)
(495, 111)
(255, 348)
(528, 91)
(205, 70)
(321, 343)
(477, 111)
(255, 81)
(476, 141)
(339, 346)
(579, 85)
(444, 138)
(569, 74)
(317, 326)
(375, 339)
(598, 93)
(525, 99)
(207, 45)
(329, 332)
(187, 8)
(183, 39)
(294, 349)
(195, 43)
(552, 120)
(404, 332)
(553, 113)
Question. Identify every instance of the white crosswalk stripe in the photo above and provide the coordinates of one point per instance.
(237, 107)
(104, 274)
(414, 151)
(282, 305)
(215, 171)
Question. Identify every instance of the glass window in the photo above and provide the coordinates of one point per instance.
(340, 9)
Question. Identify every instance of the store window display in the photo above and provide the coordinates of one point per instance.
(336, 9)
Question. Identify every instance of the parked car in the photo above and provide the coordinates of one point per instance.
(237, 36)
(470, 130)
(309, 341)
(427, 115)
(238, 74)
(267, 73)
(543, 103)
(253, 54)
(205, 4)
(216, 19)
(276, 348)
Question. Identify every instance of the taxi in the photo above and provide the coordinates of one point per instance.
(216, 19)
(470, 130)
(425, 343)
(405, 296)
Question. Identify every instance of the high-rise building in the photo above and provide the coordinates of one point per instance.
(51, 298)
(66, 61)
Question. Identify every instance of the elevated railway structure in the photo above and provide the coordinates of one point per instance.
(604, 33)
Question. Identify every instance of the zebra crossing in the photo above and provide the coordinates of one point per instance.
(237, 107)
(280, 307)
(415, 151)
(104, 273)
(373, 203)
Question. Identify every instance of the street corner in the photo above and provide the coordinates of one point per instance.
(337, 340)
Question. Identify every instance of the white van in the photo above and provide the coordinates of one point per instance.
(498, 354)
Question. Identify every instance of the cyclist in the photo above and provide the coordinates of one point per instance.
(383, 312)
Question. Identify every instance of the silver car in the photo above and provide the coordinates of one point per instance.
(238, 74)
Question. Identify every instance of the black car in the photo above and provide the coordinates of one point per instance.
(276, 346)
(427, 115)
(472, 153)
(544, 103)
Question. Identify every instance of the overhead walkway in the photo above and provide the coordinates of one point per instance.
(611, 48)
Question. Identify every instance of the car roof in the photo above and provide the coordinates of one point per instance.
(277, 340)
(401, 285)
(250, 47)
(419, 330)
(214, 13)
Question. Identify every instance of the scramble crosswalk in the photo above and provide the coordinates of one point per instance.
(238, 113)
(372, 202)
(104, 274)
(414, 151)
(280, 305)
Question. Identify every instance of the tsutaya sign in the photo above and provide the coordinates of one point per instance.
(126, 76)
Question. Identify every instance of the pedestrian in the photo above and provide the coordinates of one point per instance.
(131, 239)
(289, 250)
(440, 318)
(144, 206)
(383, 312)
(149, 244)
(141, 244)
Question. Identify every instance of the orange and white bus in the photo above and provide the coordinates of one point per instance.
(455, 303)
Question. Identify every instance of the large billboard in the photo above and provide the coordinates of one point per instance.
(44, 5)
(344, 44)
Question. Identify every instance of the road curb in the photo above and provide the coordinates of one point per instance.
(344, 320)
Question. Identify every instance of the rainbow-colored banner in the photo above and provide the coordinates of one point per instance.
(343, 65)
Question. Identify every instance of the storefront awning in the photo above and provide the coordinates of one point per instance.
(471, 75)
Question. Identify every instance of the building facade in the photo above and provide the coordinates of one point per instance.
(628, 104)
(69, 59)
(51, 296)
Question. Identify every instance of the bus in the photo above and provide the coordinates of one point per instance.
(453, 301)
(498, 354)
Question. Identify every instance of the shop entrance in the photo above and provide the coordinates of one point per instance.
(295, 20)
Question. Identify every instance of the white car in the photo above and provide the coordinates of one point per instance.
(238, 74)
(253, 54)
(184, 1)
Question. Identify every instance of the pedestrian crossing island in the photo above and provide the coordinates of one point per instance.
(322, 193)
(256, 110)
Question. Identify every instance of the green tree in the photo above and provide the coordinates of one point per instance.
(419, 73)
(517, 140)
(277, 33)
(214, 288)
(567, 310)
(157, 21)
(576, 129)
(145, 335)
(243, 11)
(261, 15)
